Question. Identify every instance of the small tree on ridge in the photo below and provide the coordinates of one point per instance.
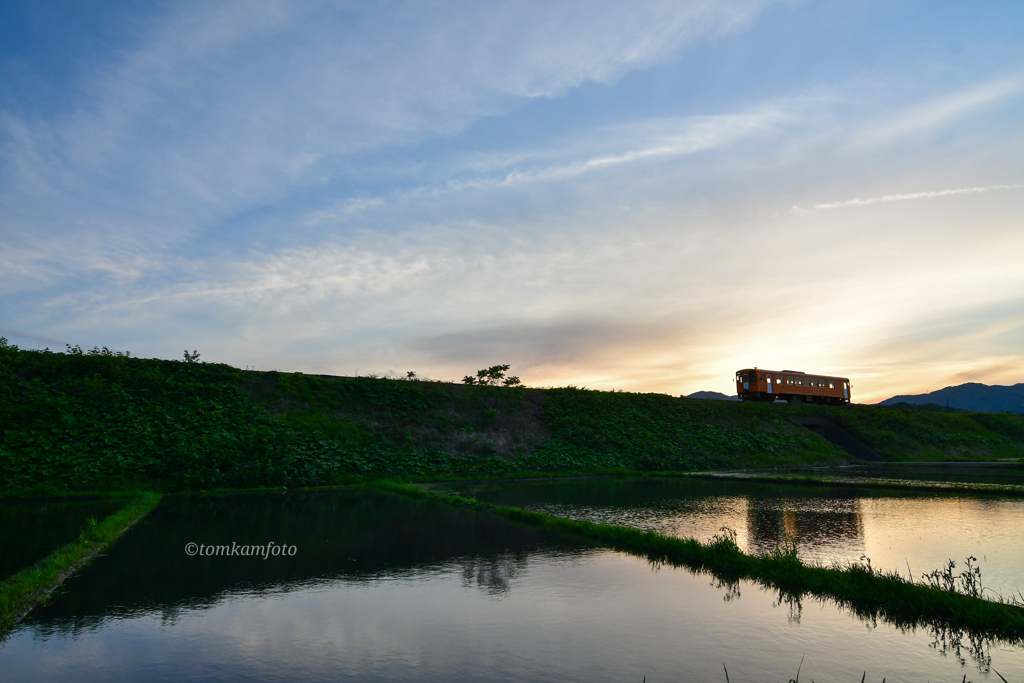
(493, 376)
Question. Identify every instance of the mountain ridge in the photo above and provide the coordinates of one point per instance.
(981, 398)
(712, 395)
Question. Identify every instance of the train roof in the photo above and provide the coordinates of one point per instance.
(795, 372)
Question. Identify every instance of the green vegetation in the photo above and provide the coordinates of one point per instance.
(867, 592)
(100, 420)
(894, 484)
(906, 434)
(34, 585)
(492, 376)
(497, 431)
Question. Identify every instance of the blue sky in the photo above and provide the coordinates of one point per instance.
(641, 196)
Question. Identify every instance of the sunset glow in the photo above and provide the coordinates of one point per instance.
(638, 196)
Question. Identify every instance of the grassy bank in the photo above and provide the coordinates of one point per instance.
(894, 484)
(910, 433)
(865, 591)
(100, 421)
(34, 585)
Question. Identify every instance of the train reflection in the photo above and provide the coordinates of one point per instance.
(815, 526)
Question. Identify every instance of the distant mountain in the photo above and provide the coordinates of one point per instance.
(980, 398)
(714, 395)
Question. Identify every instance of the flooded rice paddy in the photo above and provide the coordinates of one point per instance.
(961, 473)
(386, 588)
(30, 529)
(903, 531)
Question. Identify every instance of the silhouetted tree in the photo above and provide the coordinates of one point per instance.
(493, 376)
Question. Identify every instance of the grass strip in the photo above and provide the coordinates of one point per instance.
(756, 477)
(1006, 490)
(34, 585)
(867, 592)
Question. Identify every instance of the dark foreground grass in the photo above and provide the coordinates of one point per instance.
(869, 593)
(34, 585)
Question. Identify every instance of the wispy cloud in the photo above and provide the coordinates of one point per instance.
(692, 136)
(941, 110)
(910, 196)
(210, 112)
(588, 152)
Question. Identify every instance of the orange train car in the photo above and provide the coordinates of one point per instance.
(755, 384)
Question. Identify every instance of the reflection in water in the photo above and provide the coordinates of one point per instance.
(492, 575)
(976, 647)
(348, 535)
(794, 606)
(819, 528)
(386, 588)
(906, 532)
(730, 589)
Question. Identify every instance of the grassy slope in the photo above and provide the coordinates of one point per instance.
(539, 429)
(914, 433)
(95, 421)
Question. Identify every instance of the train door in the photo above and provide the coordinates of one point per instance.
(846, 390)
(768, 379)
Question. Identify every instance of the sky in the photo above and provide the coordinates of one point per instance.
(642, 196)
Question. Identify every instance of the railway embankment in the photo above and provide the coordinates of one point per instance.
(99, 421)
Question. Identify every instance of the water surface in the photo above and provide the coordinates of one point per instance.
(968, 473)
(385, 588)
(908, 532)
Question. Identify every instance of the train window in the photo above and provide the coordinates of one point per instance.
(831, 385)
(778, 380)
